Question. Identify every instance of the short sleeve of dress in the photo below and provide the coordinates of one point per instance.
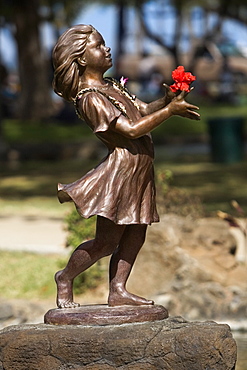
(98, 111)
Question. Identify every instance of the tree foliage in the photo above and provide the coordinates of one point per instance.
(24, 19)
(183, 12)
(222, 9)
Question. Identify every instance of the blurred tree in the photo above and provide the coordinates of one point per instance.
(222, 9)
(183, 11)
(25, 18)
(183, 14)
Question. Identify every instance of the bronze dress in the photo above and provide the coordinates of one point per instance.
(121, 188)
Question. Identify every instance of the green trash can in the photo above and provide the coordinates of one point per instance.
(226, 139)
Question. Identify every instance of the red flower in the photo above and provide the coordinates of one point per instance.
(182, 80)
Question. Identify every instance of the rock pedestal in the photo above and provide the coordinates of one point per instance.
(163, 344)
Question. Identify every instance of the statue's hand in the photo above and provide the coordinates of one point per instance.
(178, 106)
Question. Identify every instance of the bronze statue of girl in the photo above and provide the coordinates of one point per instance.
(121, 189)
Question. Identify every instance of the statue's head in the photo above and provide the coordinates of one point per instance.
(70, 46)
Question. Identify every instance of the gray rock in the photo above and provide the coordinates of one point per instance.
(171, 344)
(6, 311)
(19, 311)
(188, 266)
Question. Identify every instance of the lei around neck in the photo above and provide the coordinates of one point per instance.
(120, 106)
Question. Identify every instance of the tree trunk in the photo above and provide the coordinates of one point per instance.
(35, 97)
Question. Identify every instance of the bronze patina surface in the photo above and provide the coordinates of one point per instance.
(105, 315)
(120, 190)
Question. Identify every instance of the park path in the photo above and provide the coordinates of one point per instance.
(32, 234)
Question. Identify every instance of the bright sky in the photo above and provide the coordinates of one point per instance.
(104, 19)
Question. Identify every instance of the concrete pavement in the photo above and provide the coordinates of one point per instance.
(32, 234)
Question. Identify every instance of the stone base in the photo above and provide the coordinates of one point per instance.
(104, 315)
(168, 344)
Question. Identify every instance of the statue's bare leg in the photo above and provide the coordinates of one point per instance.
(64, 292)
(106, 241)
(121, 264)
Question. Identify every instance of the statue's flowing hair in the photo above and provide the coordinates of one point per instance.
(70, 46)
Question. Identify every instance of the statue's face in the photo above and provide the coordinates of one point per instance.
(97, 56)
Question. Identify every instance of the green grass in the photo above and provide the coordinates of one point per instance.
(215, 184)
(27, 275)
(32, 187)
(16, 131)
(178, 126)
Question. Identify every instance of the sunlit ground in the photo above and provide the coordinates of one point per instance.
(31, 188)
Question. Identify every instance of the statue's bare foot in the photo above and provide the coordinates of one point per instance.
(64, 292)
(122, 298)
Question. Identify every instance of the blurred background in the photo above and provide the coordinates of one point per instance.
(42, 142)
